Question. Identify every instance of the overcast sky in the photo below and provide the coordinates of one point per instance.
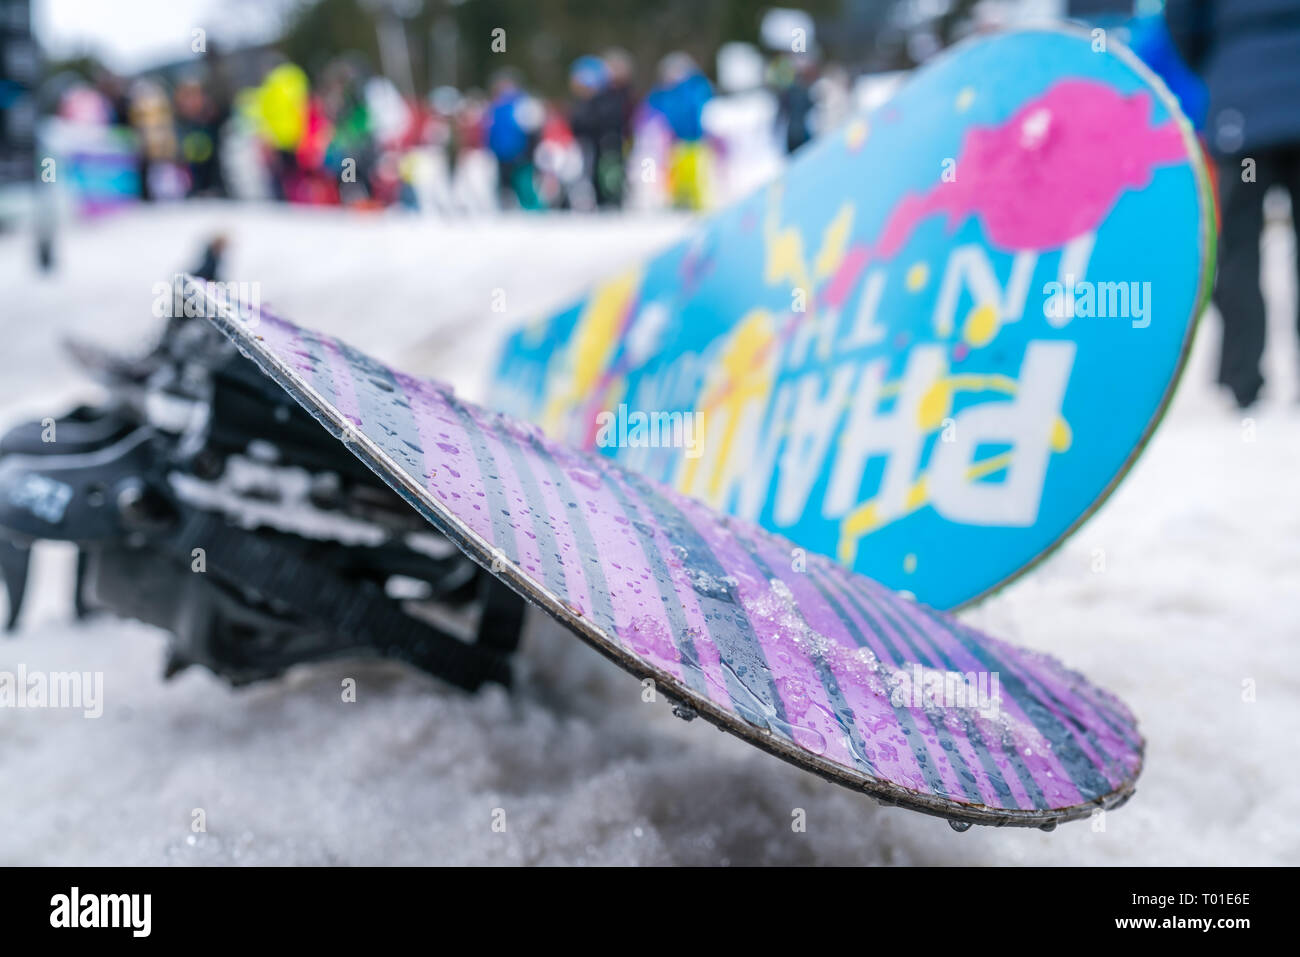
(133, 34)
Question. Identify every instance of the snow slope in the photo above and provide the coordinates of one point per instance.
(1200, 594)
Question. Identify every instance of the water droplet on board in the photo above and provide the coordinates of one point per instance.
(585, 477)
(709, 586)
(525, 432)
(795, 695)
(809, 739)
(649, 638)
(757, 712)
(961, 827)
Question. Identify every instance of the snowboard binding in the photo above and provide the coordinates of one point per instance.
(203, 500)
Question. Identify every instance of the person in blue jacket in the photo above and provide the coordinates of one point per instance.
(514, 122)
(1248, 52)
(680, 98)
(1149, 38)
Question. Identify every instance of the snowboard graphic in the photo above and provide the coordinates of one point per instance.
(793, 652)
(934, 345)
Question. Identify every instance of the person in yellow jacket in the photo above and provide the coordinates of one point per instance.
(279, 110)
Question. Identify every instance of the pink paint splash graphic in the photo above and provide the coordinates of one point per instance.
(1050, 173)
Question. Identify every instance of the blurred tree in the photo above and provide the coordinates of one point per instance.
(541, 38)
(86, 65)
(316, 31)
(451, 41)
(544, 36)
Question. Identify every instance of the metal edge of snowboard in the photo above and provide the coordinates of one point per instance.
(245, 337)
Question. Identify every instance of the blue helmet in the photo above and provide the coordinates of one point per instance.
(590, 72)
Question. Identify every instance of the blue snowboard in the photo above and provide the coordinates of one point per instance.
(935, 344)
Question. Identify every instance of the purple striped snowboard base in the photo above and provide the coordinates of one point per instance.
(792, 652)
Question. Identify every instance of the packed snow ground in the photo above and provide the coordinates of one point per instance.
(1201, 593)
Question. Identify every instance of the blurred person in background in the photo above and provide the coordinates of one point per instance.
(279, 111)
(113, 88)
(209, 267)
(832, 99)
(468, 127)
(471, 183)
(621, 94)
(559, 173)
(794, 100)
(1149, 38)
(1248, 52)
(622, 70)
(471, 153)
(514, 122)
(198, 129)
(151, 117)
(445, 108)
(342, 147)
(597, 117)
(313, 182)
(680, 98)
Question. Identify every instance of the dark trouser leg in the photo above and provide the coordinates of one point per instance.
(1289, 174)
(505, 184)
(1237, 291)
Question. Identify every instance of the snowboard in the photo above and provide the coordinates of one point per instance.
(789, 650)
(934, 345)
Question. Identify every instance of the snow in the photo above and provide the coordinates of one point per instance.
(1199, 594)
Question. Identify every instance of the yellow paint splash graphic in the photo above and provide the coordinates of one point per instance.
(934, 406)
(744, 375)
(1062, 435)
(917, 276)
(835, 243)
(594, 342)
(855, 136)
(982, 325)
(746, 363)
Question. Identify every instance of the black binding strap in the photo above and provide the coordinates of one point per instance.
(501, 615)
(357, 611)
